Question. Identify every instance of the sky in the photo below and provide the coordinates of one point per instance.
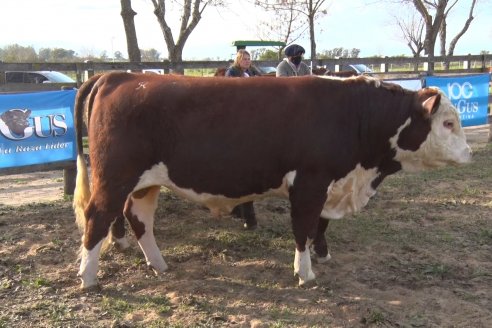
(90, 27)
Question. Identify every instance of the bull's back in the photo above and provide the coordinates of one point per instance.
(218, 131)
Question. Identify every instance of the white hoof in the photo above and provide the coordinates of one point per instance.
(308, 277)
(325, 259)
(88, 284)
(158, 266)
(302, 266)
(120, 243)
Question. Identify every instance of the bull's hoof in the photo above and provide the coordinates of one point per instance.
(90, 288)
(158, 269)
(121, 244)
(250, 226)
(305, 278)
(308, 284)
(323, 259)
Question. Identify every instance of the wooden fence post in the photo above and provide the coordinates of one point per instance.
(89, 70)
(69, 174)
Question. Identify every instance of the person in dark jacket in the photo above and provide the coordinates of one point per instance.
(242, 66)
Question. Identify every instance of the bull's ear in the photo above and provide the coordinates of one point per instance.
(432, 104)
(430, 99)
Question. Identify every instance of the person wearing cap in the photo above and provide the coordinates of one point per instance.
(292, 65)
(242, 66)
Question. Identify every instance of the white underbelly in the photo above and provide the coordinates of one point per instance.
(218, 204)
(344, 196)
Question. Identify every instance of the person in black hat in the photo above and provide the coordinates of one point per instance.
(292, 65)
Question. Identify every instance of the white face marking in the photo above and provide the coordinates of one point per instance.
(89, 265)
(349, 194)
(445, 143)
(302, 265)
(143, 209)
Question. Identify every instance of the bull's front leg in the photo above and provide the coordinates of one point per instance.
(307, 197)
(319, 245)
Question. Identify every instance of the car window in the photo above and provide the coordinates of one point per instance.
(37, 77)
(57, 77)
(34, 78)
(14, 77)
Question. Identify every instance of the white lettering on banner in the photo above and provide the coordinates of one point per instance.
(459, 91)
(57, 145)
(466, 107)
(25, 149)
(5, 151)
(56, 124)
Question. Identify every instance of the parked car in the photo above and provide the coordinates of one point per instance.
(267, 70)
(37, 77)
(356, 68)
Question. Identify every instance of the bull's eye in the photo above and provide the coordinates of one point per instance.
(448, 124)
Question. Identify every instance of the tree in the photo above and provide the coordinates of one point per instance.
(287, 27)
(412, 29)
(16, 53)
(311, 9)
(150, 55)
(191, 14)
(118, 56)
(128, 15)
(434, 14)
(56, 55)
(340, 53)
(453, 42)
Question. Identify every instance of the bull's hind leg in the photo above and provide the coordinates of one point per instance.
(319, 244)
(139, 210)
(96, 229)
(118, 238)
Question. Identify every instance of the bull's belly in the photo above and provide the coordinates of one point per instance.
(344, 196)
(216, 203)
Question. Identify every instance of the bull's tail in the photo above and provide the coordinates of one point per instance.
(83, 103)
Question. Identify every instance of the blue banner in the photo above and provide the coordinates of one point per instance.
(36, 128)
(468, 93)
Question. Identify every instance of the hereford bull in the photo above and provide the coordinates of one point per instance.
(326, 144)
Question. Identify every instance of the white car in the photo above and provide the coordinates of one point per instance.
(37, 77)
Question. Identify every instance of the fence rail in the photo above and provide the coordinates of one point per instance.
(381, 65)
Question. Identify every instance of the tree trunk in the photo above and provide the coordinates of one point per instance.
(311, 14)
(190, 17)
(128, 15)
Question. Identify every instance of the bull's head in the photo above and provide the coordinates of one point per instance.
(433, 136)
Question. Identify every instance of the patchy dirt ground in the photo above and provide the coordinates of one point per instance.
(419, 255)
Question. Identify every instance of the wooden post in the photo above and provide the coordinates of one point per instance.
(89, 70)
(69, 174)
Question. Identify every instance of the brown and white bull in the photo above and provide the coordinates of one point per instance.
(326, 144)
